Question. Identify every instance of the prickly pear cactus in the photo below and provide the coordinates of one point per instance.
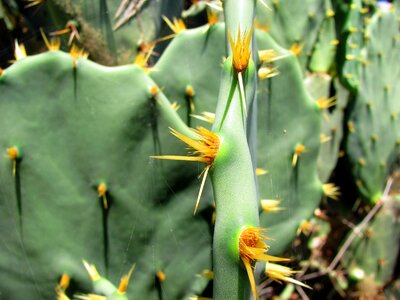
(373, 127)
(286, 150)
(310, 17)
(332, 117)
(372, 256)
(77, 183)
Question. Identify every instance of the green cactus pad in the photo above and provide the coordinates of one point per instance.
(375, 251)
(297, 22)
(287, 117)
(373, 140)
(318, 85)
(78, 127)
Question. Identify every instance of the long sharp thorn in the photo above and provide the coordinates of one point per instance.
(241, 89)
(201, 189)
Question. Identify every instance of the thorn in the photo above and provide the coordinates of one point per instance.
(270, 205)
(14, 155)
(154, 90)
(102, 192)
(177, 25)
(161, 276)
(296, 49)
(19, 51)
(91, 269)
(266, 72)
(208, 274)
(123, 284)
(298, 150)
(206, 117)
(242, 94)
(212, 17)
(331, 191)
(260, 172)
(54, 44)
(64, 282)
(205, 172)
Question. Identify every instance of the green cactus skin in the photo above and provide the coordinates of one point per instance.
(287, 117)
(372, 142)
(351, 43)
(192, 59)
(232, 175)
(233, 184)
(324, 50)
(295, 21)
(375, 251)
(318, 85)
(76, 127)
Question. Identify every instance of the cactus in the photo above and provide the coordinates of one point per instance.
(372, 256)
(73, 137)
(332, 117)
(292, 178)
(373, 127)
(310, 19)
